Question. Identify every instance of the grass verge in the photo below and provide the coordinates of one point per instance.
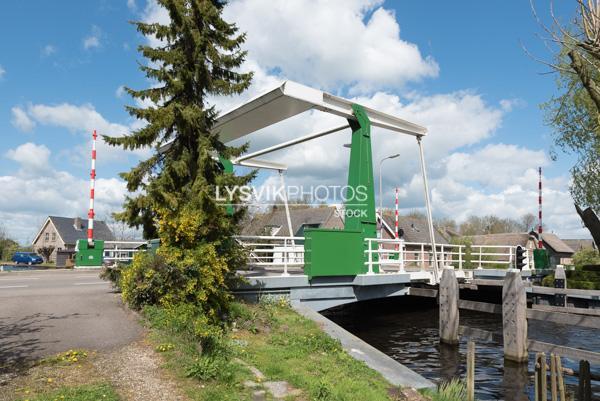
(66, 376)
(280, 343)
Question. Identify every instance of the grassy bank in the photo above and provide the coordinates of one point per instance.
(276, 341)
(268, 348)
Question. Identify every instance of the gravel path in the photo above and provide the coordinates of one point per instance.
(134, 370)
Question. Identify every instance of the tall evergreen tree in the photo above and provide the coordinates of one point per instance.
(174, 190)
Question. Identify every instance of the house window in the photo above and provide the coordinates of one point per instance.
(47, 237)
(53, 237)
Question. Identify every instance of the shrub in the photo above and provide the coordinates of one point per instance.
(586, 257)
(188, 321)
(198, 277)
(454, 390)
(112, 274)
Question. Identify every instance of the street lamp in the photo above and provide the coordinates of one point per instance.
(380, 194)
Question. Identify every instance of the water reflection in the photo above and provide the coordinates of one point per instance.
(408, 332)
(515, 380)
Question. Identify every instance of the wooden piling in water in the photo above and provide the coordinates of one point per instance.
(448, 299)
(553, 379)
(514, 317)
(561, 381)
(471, 371)
(585, 382)
(544, 377)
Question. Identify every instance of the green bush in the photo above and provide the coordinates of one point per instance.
(577, 279)
(454, 390)
(190, 322)
(586, 257)
(197, 277)
(112, 274)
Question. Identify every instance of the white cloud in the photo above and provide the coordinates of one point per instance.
(2, 72)
(32, 158)
(92, 40)
(507, 162)
(48, 50)
(354, 43)
(83, 120)
(120, 91)
(75, 118)
(510, 104)
(131, 5)
(21, 120)
(45, 191)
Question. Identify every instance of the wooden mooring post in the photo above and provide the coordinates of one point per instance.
(557, 382)
(514, 317)
(471, 371)
(448, 299)
(584, 391)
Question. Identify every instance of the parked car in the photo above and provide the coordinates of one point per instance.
(29, 258)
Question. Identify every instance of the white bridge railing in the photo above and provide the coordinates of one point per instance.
(383, 255)
(399, 255)
(121, 251)
(279, 252)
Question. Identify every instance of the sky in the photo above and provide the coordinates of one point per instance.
(458, 68)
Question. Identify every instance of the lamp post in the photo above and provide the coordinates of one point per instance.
(380, 194)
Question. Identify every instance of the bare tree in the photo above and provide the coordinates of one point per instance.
(527, 222)
(46, 252)
(575, 114)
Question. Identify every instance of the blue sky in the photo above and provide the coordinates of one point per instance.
(459, 66)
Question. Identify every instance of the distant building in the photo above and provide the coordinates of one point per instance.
(580, 244)
(275, 224)
(415, 232)
(62, 233)
(559, 252)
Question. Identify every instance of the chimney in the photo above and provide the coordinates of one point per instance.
(78, 224)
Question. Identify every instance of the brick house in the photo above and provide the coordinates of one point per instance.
(63, 232)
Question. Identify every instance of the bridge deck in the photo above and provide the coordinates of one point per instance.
(326, 292)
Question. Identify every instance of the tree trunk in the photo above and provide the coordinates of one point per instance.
(577, 63)
(591, 221)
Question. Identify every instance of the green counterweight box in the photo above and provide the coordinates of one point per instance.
(89, 256)
(540, 259)
(330, 252)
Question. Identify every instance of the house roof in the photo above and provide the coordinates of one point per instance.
(298, 216)
(415, 229)
(579, 244)
(556, 243)
(65, 226)
(512, 239)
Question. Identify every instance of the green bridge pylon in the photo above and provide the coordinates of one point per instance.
(334, 252)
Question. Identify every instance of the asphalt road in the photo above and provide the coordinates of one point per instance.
(46, 312)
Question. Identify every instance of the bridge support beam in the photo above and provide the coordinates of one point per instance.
(514, 317)
(449, 317)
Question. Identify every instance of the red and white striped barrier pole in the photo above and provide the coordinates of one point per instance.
(540, 242)
(90, 233)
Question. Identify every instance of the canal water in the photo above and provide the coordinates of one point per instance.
(407, 330)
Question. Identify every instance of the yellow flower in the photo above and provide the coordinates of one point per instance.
(50, 380)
